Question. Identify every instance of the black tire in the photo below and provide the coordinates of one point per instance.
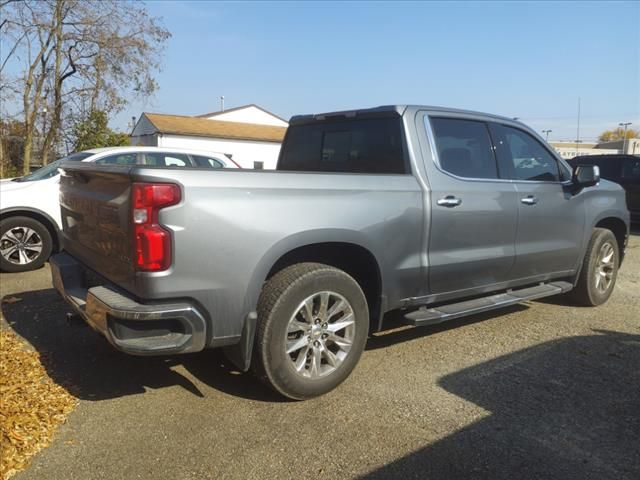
(586, 292)
(40, 236)
(281, 298)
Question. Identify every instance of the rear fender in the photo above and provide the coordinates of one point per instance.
(240, 354)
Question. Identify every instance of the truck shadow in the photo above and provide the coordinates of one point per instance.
(396, 331)
(84, 363)
(569, 409)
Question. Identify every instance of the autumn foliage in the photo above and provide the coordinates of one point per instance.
(32, 406)
(618, 134)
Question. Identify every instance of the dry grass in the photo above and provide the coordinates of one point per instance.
(31, 405)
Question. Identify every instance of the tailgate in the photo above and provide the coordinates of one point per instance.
(96, 219)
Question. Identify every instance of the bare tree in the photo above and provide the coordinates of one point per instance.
(83, 55)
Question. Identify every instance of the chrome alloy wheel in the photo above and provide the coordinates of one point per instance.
(20, 245)
(604, 268)
(320, 334)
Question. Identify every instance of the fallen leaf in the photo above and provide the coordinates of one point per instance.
(33, 405)
(11, 300)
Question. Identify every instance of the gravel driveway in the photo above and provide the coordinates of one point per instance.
(540, 390)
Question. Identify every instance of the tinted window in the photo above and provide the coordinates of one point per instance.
(160, 159)
(354, 146)
(529, 159)
(207, 162)
(464, 148)
(631, 169)
(609, 166)
(119, 159)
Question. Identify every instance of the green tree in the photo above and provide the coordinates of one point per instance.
(618, 134)
(94, 132)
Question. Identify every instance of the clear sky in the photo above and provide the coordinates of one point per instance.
(520, 59)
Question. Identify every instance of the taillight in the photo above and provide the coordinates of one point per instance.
(152, 243)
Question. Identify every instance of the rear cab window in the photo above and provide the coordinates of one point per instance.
(368, 146)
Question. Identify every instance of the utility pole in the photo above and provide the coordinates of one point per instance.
(578, 134)
(222, 103)
(546, 133)
(624, 136)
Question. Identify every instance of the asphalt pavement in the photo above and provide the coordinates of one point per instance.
(540, 390)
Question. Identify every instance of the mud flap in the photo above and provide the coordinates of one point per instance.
(240, 353)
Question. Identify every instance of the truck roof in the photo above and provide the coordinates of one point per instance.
(386, 110)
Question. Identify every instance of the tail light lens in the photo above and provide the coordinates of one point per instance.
(152, 242)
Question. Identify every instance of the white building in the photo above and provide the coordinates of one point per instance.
(631, 146)
(569, 150)
(248, 134)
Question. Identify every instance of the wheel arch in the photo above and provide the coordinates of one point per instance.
(354, 255)
(352, 258)
(619, 229)
(40, 216)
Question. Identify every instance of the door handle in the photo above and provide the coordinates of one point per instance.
(449, 201)
(529, 200)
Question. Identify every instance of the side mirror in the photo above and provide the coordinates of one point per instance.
(586, 175)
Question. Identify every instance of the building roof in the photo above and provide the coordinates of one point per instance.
(220, 112)
(203, 127)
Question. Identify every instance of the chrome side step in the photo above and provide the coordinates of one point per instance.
(431, 316)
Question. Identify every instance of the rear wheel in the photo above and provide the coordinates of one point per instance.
(313, 323)
(25, 244)
(599, 269)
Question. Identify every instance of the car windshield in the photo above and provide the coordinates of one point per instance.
(51, 170)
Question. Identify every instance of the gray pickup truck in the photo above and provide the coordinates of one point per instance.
(435, 212)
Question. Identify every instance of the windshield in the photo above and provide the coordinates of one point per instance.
(51, 170)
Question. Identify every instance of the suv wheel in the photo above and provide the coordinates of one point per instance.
(25, 244)
(313, 323)
(599, 269)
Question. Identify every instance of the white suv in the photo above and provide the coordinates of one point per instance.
(30, 220)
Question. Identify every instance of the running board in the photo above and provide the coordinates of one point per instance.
(431, 316)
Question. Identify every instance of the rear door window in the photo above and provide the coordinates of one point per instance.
(119, 159)
(207, 162)
(373, 145)
(161, 159)
(464, 148)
